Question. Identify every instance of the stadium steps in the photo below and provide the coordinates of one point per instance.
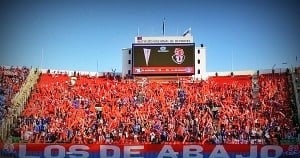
(18, 103)
(215, 121)
(216, 125)
(295, 79)
(255, 89)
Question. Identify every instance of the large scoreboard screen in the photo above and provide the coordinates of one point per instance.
(172, 58)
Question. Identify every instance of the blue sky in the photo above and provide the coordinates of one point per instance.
(75, 34)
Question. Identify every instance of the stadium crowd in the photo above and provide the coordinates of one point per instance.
(99, 110)
(11, 80)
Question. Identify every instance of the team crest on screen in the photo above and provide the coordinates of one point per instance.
(178, 56)
(147, 55)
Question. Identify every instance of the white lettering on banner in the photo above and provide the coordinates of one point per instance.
(190, 151)
(264, 152)
(105, 148)
(167, 151)
(219, 151)
(75, 151)
(253, 152)
(292, 150)
(78, 151)
(131, 150)
(113, 151)
(61, 151)
(22, 152)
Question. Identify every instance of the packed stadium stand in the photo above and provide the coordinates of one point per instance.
(84, 109)
(12, 79)
(16, 83)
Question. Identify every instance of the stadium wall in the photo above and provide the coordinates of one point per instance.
(70, 72)
(197, 66)
(200, 63)
(248, 72)
(126, 61)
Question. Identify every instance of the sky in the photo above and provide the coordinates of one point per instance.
(76, 35)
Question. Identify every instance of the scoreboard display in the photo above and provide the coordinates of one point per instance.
(163, 58)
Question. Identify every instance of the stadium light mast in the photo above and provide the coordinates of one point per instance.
(97, 67)
(273, 70)
(284, 63)
(42, 58)
(232, 61)
(163, 26)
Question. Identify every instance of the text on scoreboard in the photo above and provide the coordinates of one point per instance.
(163, 58)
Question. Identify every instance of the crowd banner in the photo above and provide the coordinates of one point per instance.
(148, 151)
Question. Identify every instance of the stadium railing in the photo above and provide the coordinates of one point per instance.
(18, 103)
